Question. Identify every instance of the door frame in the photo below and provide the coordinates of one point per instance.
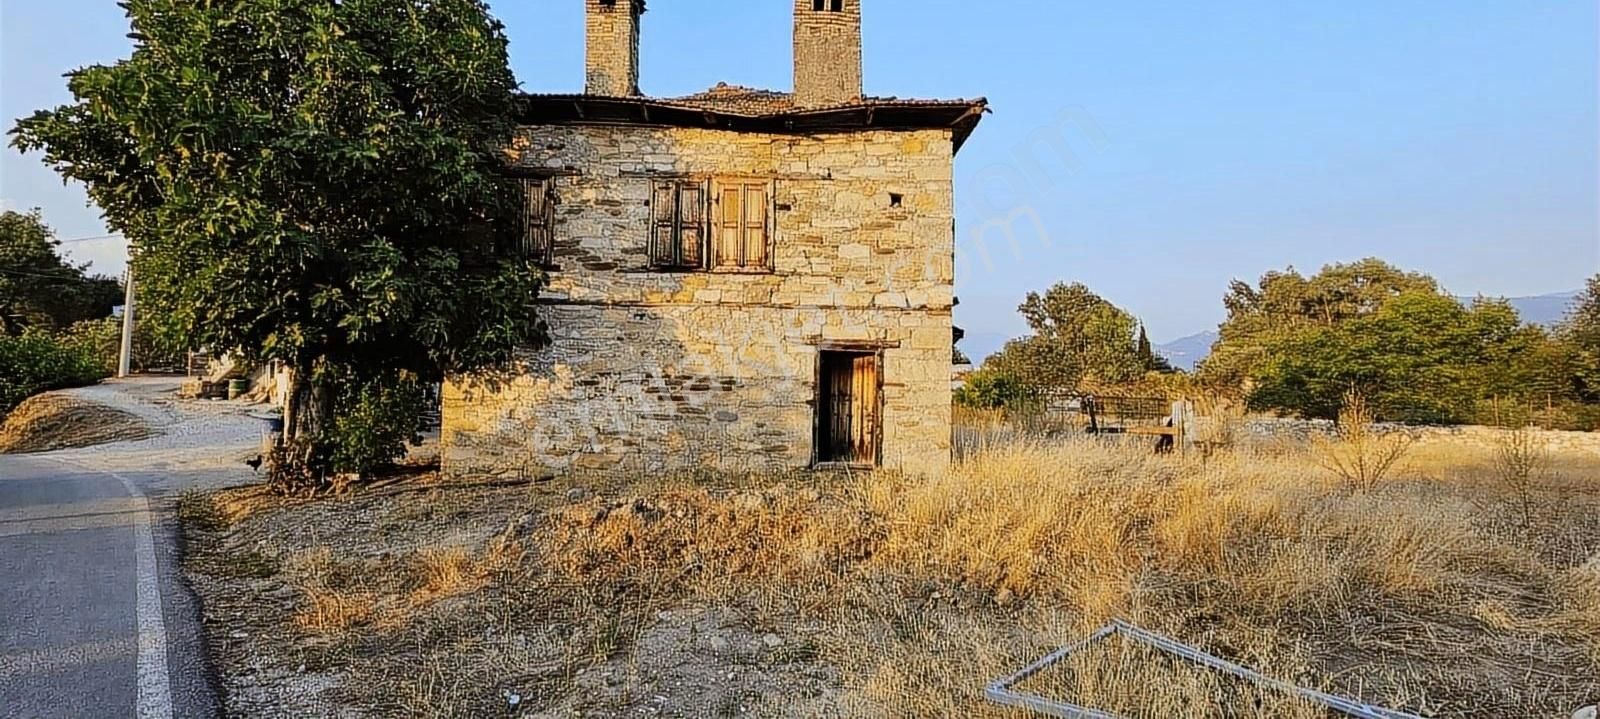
(819, 386)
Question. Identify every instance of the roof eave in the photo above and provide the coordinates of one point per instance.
(960, 116)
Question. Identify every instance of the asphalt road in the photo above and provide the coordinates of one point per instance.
(95, 620)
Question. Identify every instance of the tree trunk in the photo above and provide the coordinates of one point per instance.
(309, 406)
(299, 463)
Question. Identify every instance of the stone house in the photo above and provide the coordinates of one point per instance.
(739, 279)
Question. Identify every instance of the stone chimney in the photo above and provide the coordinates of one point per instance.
(611, 32)
(827, 52)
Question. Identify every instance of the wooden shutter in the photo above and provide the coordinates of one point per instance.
(691, 224)
(729, 225)
(864, 410)
(538, 236)
(743, 225)
(841, 381)
(678, 224)
(754, 247)
(664, 224)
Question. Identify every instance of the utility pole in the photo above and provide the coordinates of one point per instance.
(125, 357)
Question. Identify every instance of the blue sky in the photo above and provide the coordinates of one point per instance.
(1203, 141)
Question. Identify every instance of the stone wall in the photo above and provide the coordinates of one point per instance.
(827, 53)
(1480, 437)
(654, 371)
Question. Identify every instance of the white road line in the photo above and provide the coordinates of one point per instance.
(155, 685)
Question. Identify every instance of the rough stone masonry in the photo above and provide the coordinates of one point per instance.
(706, 250)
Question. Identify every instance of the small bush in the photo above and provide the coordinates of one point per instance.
(35, 362)
(1361, 454)
(1521, 459)
(375, 419)
(102, 340)
(991, 389)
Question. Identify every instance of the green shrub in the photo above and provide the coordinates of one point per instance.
(35, 362)
(102, 339)
(375, 419)
(991, 389)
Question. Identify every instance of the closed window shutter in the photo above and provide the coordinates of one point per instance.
(529, 221)
(754, 250)
(743, 225)
(538, 220)
(664, 224)
(540, 205)
(729, 226)
(691, 224)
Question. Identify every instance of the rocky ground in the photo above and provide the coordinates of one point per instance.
(416, 599)
(825, 596)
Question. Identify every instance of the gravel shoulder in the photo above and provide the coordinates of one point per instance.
(198, 444)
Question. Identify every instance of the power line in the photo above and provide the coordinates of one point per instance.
(92, 238)
(41, 275)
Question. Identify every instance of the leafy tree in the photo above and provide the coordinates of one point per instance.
(1284, 304)
(988, 388)
(1077, 337)
(1581, 331)
(1420, 357)
(312, 181)
(40, 289)
(1149, 359)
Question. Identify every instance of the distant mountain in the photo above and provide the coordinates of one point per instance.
(1541, 309)
(1186, 352)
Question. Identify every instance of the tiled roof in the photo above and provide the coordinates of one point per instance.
(737, 100)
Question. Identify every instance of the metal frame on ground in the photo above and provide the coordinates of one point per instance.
(1004, 690)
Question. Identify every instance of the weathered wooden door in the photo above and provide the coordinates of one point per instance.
(848, 405)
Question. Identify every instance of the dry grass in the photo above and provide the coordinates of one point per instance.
(1427, 593)
(331, 611)
(53, 421)
(1360, 453)
(1383, 594)
(1521, 460)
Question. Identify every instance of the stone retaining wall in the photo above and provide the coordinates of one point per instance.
(1470, 435)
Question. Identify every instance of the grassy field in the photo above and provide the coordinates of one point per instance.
(1438, 591)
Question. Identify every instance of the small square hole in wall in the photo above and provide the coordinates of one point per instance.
(896, 199)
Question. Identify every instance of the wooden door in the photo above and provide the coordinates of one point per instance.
(849, 426)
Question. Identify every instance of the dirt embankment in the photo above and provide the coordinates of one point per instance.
(57, 421)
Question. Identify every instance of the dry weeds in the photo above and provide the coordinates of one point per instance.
(899, 596)
(1521, 460)
(1360, 452)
